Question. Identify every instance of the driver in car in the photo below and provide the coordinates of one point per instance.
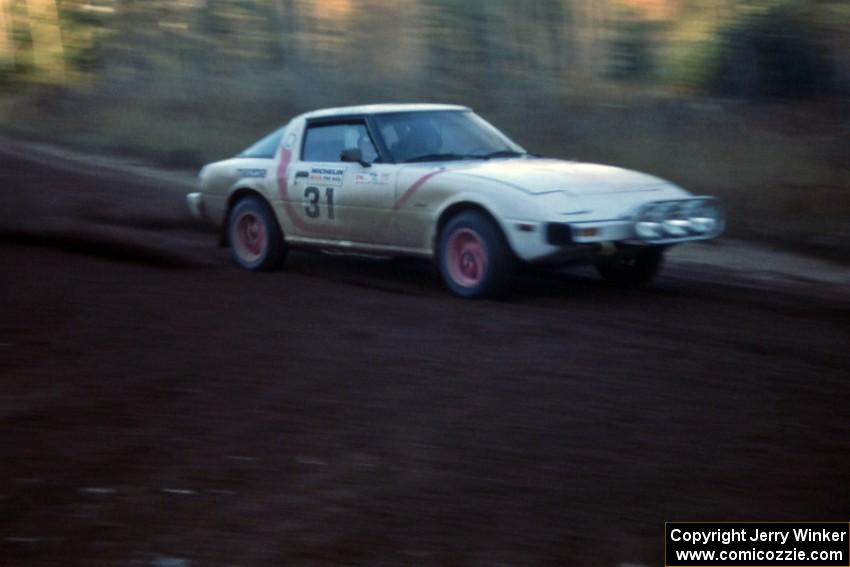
(416, 138)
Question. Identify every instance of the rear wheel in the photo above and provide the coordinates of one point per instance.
(473, 257)
(632, 270)
(256, 241)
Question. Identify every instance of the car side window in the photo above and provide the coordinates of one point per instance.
(326, 142)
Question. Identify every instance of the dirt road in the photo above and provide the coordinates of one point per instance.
(160, 407)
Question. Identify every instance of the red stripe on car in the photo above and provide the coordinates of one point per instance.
(414, 188)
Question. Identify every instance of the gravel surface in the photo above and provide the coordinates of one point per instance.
(158, 406)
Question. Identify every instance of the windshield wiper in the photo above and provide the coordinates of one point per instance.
(500, 153)
(439, 157)
(446, 157)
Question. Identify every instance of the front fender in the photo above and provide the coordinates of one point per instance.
(521, 225)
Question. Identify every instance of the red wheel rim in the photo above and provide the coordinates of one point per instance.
(466, 257)
(249, 236)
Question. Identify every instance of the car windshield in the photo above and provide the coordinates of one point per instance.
(441, 136)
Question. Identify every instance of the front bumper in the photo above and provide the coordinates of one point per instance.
(671, 222)
(195, 202)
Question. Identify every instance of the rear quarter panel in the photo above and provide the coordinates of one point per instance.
(222, 179)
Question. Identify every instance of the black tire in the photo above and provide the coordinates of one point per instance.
(248, 216)
(632, 270)
(494, 275)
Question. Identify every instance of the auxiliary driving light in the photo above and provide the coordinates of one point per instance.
(667, 221)
(648, 229)
(676, 227)
(702, 225)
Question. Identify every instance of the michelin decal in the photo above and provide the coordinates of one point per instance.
(327, 175)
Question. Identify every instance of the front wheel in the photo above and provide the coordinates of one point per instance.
(256, 241)
(632, 270)
(473, 257)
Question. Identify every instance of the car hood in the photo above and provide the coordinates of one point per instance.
(538, 176)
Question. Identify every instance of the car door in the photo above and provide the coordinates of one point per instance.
(342, 200)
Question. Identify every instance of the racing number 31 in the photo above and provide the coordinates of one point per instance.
(313, 207)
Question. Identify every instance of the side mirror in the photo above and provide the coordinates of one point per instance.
(353, 155)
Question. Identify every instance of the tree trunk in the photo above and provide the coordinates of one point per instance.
(5, 33)
(47, 47)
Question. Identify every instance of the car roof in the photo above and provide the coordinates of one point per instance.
(380, 109)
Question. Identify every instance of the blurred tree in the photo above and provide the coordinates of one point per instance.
(52, 41)
(48, 48)
(7, 50)
(495, 51)
(772, 52)
(632, 50)
(5, 30)
(85, 26)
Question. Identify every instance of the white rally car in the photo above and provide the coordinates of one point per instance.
(439, 182)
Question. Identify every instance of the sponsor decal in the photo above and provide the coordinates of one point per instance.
(366, 178)
(326, 175)
(290, 141)
(369, 178)
(294, 215)
(247, 172)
